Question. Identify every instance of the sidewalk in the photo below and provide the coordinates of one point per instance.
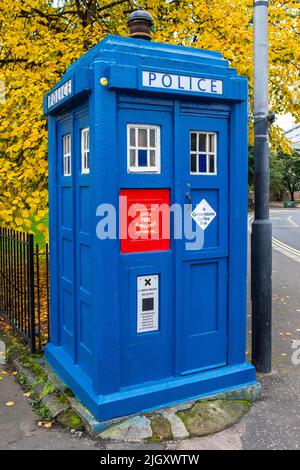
(272, 423)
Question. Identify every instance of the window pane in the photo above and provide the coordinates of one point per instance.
(132, 157)
(142, 137)
(68, 143)
(202, 163)
(65, 147)
(211, 142)
(193, 141)
(143, 149)
(211, 163)
(88, 140)
(68, 169)
(152, 138)
(142, 157)
(152, 157)
(193, 163)
(132, 137)
(202, 142)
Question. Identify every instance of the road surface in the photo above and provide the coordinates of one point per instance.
(286, 232)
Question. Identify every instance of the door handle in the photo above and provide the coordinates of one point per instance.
(188, 199)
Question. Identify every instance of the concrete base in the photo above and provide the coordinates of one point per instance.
(139, 428)
(232, 382)
(195, 418)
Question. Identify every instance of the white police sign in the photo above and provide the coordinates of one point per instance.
(182, 82)
(59, 94)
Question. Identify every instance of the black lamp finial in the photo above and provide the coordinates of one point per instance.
(140, 23)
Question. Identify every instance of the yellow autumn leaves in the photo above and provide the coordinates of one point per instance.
(39, 42)
(10, 403)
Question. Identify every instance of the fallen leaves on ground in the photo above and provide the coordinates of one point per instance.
(46, 425)
(10, 403)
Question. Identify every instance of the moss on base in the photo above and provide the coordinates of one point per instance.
(161, 428)
(210, 416)
(70, 420)
(49, 388)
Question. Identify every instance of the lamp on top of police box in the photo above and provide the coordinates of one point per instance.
(140, 23)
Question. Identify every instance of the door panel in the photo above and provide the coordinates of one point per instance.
(202, 276)
(197, 278)
(204, 315)
(146, 356)
(65, 242)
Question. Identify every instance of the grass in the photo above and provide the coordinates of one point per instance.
(39, 236)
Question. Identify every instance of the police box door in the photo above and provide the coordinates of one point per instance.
(201, 166)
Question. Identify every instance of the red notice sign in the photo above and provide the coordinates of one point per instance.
(144, 220)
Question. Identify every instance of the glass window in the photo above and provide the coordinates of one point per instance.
(143, 148)
(85, 150)
(203, 154)
(67, 155)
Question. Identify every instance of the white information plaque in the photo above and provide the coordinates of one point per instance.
(147, 303)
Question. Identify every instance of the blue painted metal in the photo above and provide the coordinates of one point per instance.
(200, 346)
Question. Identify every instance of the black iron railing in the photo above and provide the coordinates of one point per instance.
(24, 286)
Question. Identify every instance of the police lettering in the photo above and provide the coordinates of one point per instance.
(60, 94)
(182, 82)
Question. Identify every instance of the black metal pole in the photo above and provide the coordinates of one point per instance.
(261, 240)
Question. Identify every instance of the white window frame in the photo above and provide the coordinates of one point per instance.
(145, 169)
(206, 152)
(85, 151)
(67, 155)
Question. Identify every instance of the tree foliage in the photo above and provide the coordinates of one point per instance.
(39, 39)
(284, 173)
(291, 173)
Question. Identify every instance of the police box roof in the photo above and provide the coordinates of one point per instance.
(130, 52)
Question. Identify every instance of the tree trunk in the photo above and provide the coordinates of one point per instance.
(291, 190)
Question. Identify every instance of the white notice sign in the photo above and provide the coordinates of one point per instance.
(203, 214)
(147, 303)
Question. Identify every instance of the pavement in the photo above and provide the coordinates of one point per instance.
(272, 423)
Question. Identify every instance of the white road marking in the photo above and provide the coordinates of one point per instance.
(286, 247)
(292, 221)
(278, 245)
(286, 250)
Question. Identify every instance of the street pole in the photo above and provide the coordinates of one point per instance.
(261, 240)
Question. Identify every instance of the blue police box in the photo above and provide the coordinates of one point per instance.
(138, 324)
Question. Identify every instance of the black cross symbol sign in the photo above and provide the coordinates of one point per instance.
(147, 282)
